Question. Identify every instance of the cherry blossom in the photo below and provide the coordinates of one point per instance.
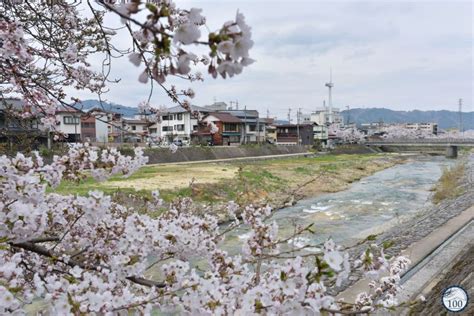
(89, 254)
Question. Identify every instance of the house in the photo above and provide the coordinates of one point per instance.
(14, 129)
(94, 126)
(115, 127)
(229, 129)
(177, 123)
(320, 133)
(270, 129)
(136, 130)
(69, 123)
(253, 130)
(271, 133)
(295, 134)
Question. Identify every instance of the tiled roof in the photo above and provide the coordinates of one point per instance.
(225, 117)
(242, 113)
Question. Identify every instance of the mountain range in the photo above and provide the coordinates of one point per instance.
(126, 111)
(445, 119)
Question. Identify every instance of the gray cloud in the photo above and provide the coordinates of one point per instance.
(400, 54)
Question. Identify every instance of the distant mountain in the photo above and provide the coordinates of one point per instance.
(445, 119)
(126, 111)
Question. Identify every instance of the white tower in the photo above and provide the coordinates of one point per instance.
(330, 85)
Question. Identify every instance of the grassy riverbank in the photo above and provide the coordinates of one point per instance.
(245, 182)
(449, 185)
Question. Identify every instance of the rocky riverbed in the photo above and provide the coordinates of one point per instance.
(414, 228)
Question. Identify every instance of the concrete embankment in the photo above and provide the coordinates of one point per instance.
(185, 154)
(354, 149)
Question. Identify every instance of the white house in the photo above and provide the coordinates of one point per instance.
(69, 124)
(177, 123)
(136, 130)
(320, 133)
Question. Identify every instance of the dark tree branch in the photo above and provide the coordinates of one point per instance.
(33, 247)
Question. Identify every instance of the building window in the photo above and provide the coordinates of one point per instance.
(134, 128)
(179, 117)
(179, 127)
(166, 117)
(252, 128)
(228, 127)
(71, 120)
(167, 128)
(88, 125)
(195, 127)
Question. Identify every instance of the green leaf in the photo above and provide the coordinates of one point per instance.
(151, 7)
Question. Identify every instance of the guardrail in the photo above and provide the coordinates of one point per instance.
(424, 141)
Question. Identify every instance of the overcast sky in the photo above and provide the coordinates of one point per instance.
(402, 55)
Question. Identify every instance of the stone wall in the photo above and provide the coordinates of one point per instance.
(163, 155)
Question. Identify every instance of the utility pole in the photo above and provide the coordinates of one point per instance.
(258, 130)
(461, 128)
(268, 113)
(245, 125)
(289, 116)
(298, 124)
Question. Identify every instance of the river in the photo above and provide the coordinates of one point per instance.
(372, 204)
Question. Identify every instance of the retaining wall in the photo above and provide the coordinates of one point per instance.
(163, 155)
(354, 149)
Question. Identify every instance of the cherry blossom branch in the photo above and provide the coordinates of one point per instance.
(33, 247)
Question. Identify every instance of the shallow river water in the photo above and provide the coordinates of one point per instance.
(373, 202)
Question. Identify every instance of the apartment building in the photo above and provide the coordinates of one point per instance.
(322, 116)
(431, 128)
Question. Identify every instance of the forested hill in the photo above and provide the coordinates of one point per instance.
(127, 111)
(445, 119)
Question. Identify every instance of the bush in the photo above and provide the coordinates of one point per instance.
(127, 151)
